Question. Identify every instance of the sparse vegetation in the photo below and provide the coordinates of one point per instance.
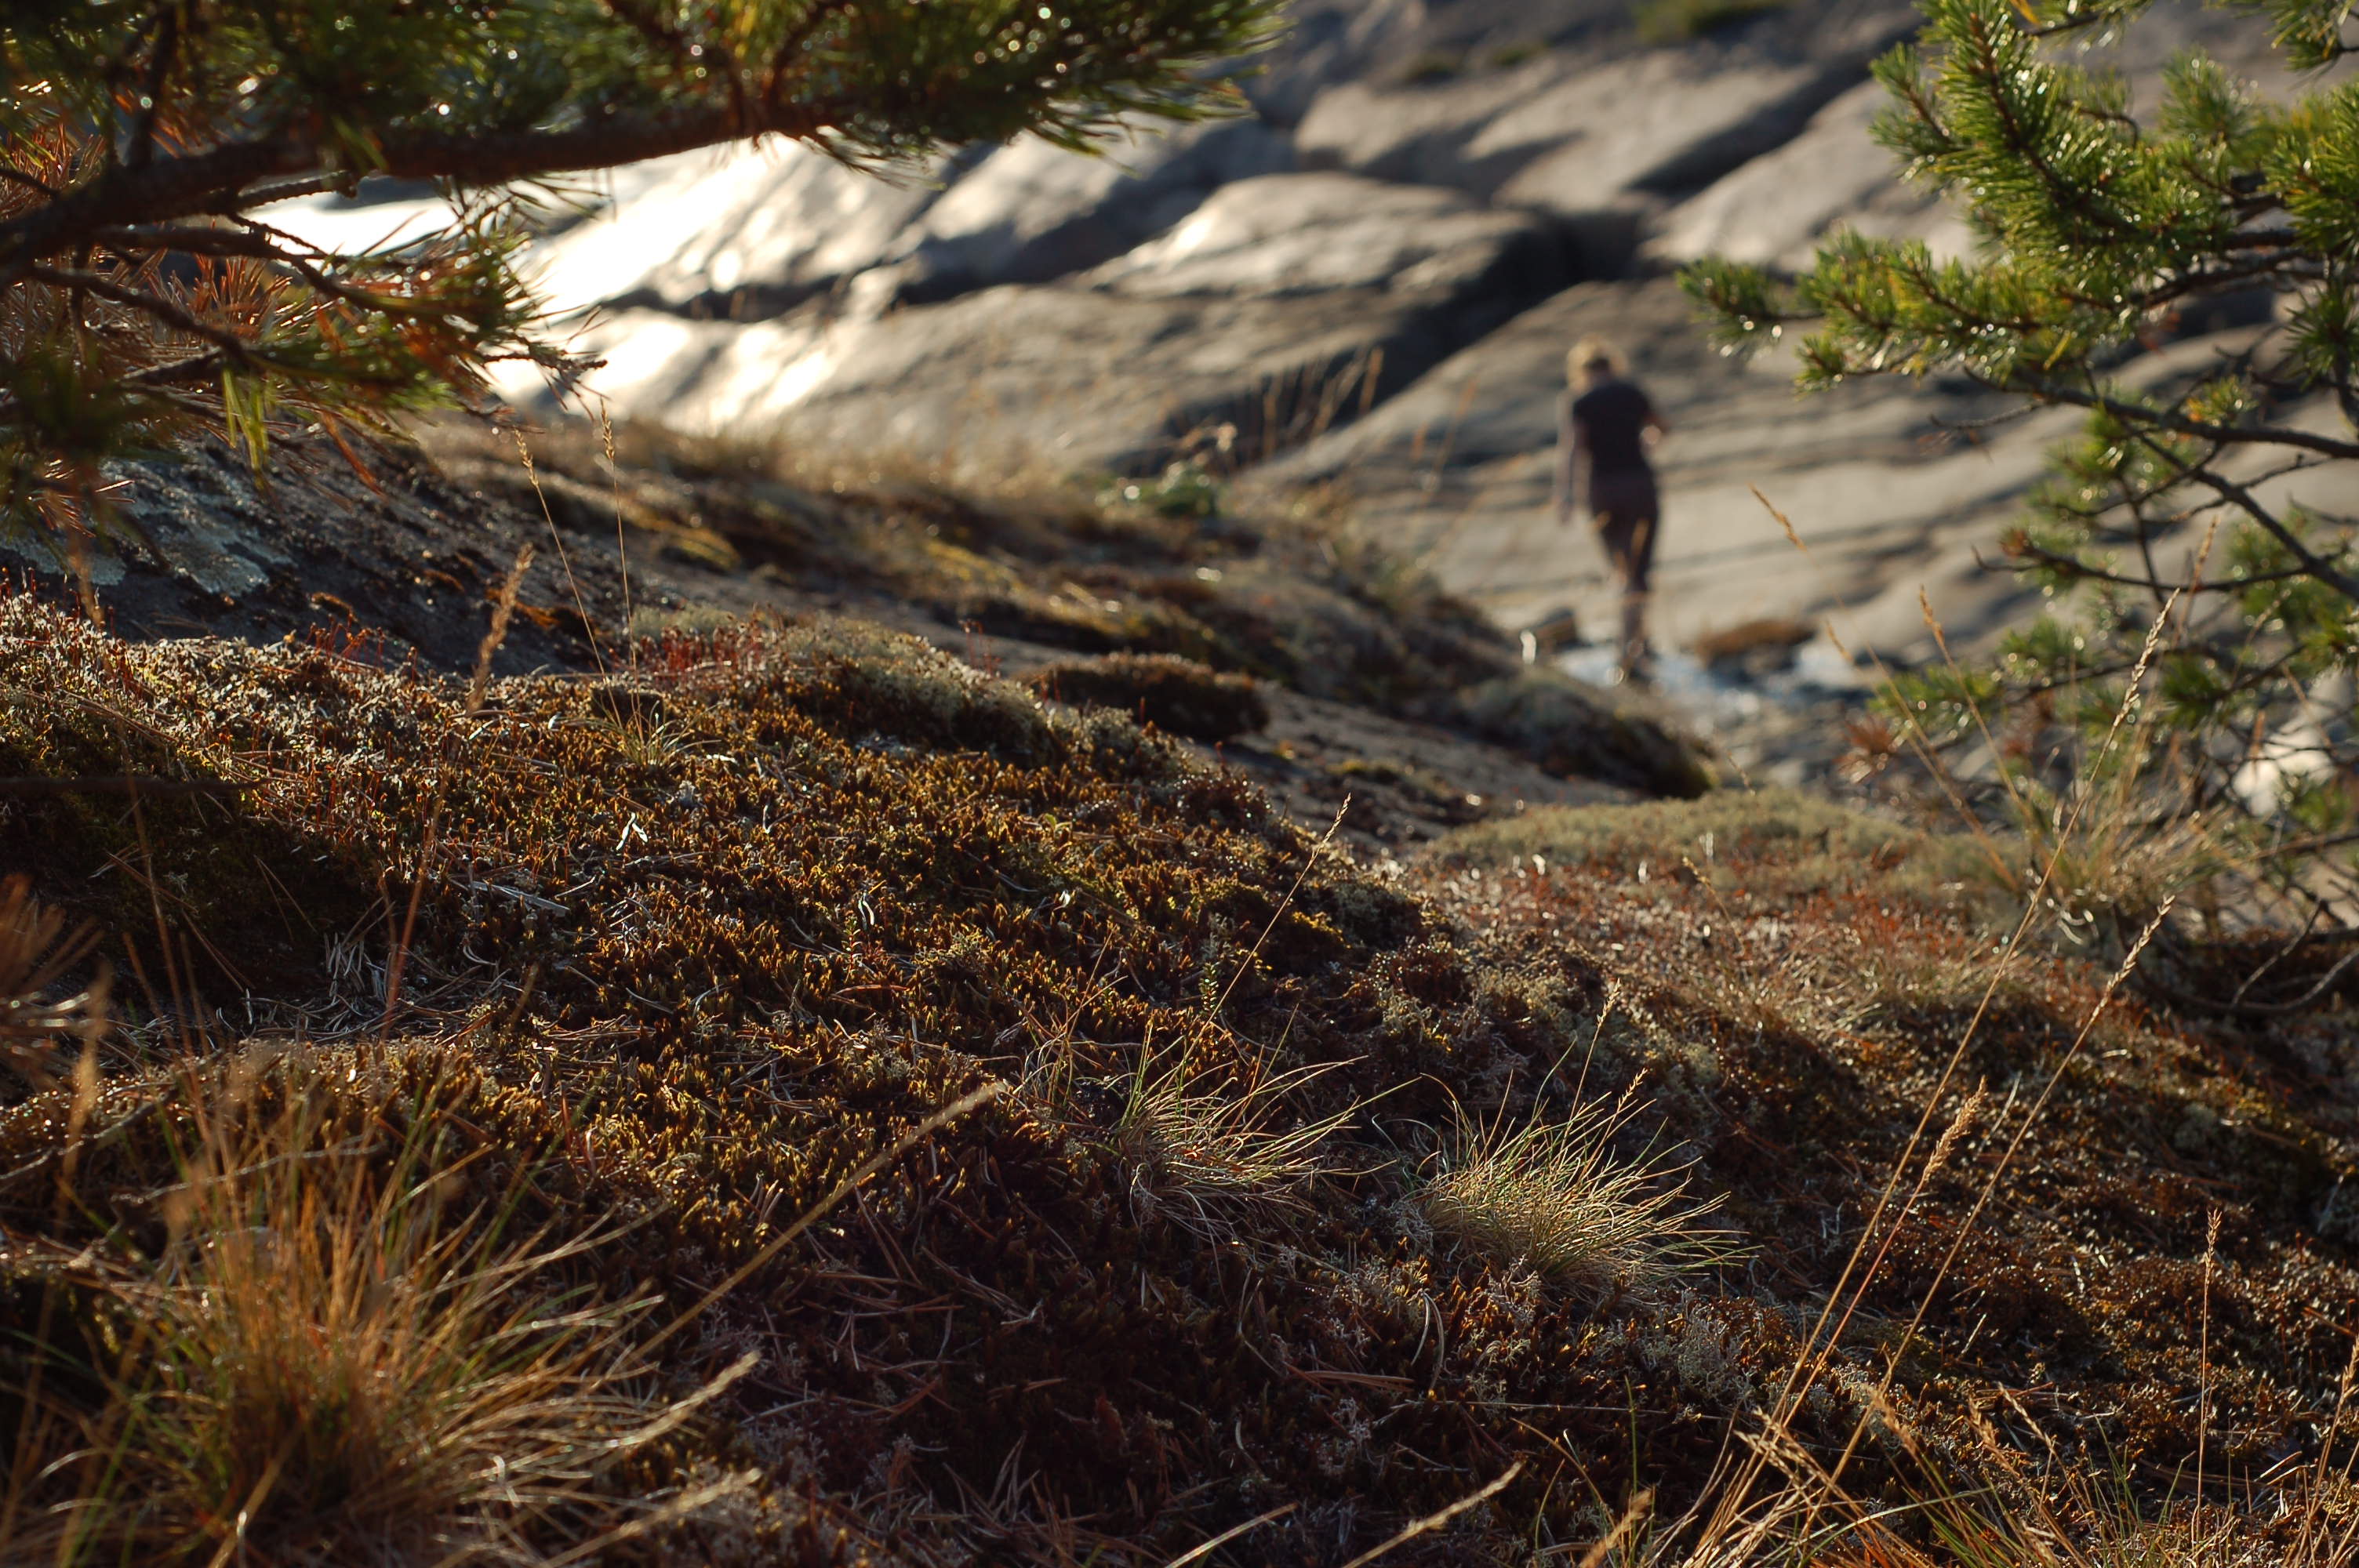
(1572, 729)
(1407, 776)
(1295, 600)
(1773, 841)
(1433, 68)
(1183, 489)
(562, 1012)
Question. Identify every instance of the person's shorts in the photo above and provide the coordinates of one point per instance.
(1627, 510)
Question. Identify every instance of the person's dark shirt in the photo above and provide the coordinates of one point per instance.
(1611, 417)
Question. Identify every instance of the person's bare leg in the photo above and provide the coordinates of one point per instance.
(1636, 656)
(1635, 564)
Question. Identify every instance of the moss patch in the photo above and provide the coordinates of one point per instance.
(1173, 694)
(693, 946)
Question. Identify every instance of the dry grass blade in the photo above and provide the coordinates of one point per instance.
(1632, 1518)
(38, 950)
(1434, 1522)
(504, 603)
(1555, 1195)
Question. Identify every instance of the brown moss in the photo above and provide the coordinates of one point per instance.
(700, 941)
(1573, 730)
(1173, 694)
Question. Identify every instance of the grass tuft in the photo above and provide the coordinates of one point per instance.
(339, 1351)
(1203, 1150)
(1556, 1197)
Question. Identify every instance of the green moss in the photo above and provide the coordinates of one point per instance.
(1666, 22)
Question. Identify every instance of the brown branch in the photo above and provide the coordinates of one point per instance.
(2070, 24)
(2024, 550)
(2191, 283)
(142, 150)
(220, 179)
(194, 241)
(2239, 1008)
(259, 242)
(10, 172)
(2180, 424)
(162, 309)
(2316, 566)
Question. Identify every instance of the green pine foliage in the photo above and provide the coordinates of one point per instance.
(2186, 591)
(144, 291)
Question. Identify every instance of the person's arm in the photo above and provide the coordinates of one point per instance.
(1568, 446)
(1654, 426)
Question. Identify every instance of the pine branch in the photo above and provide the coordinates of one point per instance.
(2314, 565)
(2023, 549)
(2181, 425)
(163, 310)
(215, 181)
(160, 70)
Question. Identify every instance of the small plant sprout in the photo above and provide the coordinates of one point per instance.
(1207, 1156)
(1555, 1195)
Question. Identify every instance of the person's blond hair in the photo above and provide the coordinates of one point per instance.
(1589, 354)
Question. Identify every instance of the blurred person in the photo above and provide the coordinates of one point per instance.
(1605, 420)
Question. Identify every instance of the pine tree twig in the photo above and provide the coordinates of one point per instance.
(2025, 549)
(166, 47)
(2245, 501)
(2182, 425)
(162, 309)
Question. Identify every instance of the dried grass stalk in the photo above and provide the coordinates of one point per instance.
(504, 603)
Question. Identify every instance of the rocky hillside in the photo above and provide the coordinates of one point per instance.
(1368, 281)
